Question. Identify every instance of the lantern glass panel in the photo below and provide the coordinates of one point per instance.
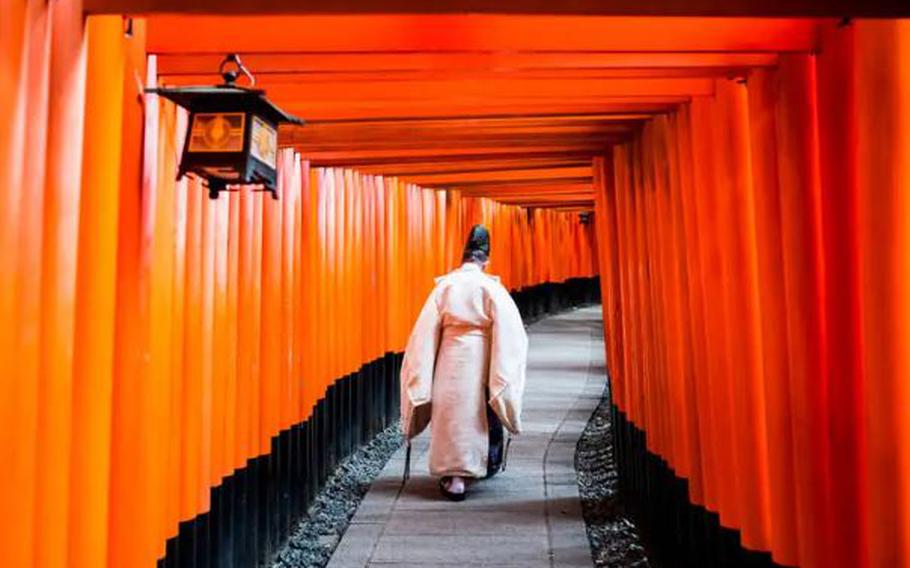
(217, 132)
(264, 142)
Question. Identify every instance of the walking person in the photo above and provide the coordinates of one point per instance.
(464, 371)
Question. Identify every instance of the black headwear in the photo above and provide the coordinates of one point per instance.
(477, 249)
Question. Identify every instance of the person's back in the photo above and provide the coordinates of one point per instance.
(463, 297)
(467, 349)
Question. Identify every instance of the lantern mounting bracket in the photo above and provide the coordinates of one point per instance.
(230, 76)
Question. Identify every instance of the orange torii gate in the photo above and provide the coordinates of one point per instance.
(747, 178)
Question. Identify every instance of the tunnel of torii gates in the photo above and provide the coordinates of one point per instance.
(180, 374)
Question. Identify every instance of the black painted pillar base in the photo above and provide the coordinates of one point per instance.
(254, 509)
(678, 533)
(537, 301)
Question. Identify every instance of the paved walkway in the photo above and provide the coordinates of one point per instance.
(528, 516)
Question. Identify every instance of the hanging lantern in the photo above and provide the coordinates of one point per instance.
(232, 137)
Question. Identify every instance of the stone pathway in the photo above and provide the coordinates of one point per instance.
(528, 516)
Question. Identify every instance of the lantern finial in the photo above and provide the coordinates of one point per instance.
(230, 76)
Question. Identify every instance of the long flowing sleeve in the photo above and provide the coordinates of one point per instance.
(417, 369)
(508, 360)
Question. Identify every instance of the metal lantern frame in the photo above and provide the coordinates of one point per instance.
(232, 134)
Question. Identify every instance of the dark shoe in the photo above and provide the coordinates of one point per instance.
(496, 451)
(492, 469)
(448, 494)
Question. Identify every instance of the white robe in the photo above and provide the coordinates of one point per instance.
(469, 339)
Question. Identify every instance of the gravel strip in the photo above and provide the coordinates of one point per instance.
(615, 542)
(311, 544)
